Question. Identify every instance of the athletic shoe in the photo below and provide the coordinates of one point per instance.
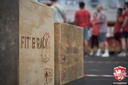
(122, 54)
(91, 53)
(98, 54)
(105, 55)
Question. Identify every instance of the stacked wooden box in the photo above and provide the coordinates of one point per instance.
(68, 53)
(27, 46)
(26, 43)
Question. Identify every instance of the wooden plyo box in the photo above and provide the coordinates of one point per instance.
(26, 43)
(68, 53)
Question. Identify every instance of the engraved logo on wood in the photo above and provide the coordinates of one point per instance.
(48, 75)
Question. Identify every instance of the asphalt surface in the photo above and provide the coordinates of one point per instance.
(99, 71)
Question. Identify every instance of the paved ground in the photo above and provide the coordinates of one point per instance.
(99, 71)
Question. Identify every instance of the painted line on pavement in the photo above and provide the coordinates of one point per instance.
(98, 75)
(106, 62)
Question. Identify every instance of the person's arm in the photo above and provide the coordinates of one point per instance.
(125, 22)
(89, 24)
(64, 17)
(63, 13)
(101, 21)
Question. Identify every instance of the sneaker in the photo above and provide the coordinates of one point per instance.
(98, 54)
(105, 55)
(122, 54)
(91, 53)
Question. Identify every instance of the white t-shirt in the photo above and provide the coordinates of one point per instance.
(58, 13)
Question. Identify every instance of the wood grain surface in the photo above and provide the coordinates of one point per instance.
(68, 53)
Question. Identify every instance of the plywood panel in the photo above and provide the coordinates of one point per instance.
(36, 60)
(68, 53)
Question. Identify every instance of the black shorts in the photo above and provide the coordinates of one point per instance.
(124, 35)
(117, 36)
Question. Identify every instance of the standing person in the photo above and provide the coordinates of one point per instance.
(102, 32)
(117, 30)
(124, 29)
(59, 13)
(95, 31)
(82, 19)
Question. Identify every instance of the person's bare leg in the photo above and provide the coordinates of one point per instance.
(106, 44)
(99, 49)
(126, 42)
(123, 53)
(106, 53)
(123, 45)
(127, 45)
(106, 47)
(114, 44)
(101, 45)
(85, 46)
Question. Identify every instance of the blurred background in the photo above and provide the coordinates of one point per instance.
(110, 7)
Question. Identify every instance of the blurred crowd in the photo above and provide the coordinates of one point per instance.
(95, 29)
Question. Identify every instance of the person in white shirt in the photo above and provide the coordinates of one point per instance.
(59, 13)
